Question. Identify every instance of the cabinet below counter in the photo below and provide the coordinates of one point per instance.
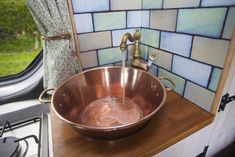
(177, 119)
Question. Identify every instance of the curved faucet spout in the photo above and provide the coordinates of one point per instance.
(128, 36)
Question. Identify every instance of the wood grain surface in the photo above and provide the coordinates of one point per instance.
(177, 119)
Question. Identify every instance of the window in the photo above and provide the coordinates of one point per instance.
(19, 37)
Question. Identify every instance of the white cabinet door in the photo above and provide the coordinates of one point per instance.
(224, 132)
(190, 146)
(221, 140)
(196, 142)
(176, 150)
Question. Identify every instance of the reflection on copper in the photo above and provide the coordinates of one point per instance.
(134, 79)
(89, 86)
(106, 74)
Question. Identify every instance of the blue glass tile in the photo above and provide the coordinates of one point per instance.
(110, 55)
(192, 70)
(145, 18)
(153, 70)
(206, 21)
(118, 34)
(110, 20)
(151, 4)
(83, 23)
(217, 2)
(138, 18)
(134, 19)
(80, 6)
(215, 79)
(179, 82)
(150, 37)
(144, 51)
(177, 43)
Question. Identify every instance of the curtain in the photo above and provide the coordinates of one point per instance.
(59, 54)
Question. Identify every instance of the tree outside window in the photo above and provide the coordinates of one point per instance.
(19, 37)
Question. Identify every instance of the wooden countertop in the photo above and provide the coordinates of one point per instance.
(177, 119)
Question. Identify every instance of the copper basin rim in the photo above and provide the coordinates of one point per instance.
(70, 99)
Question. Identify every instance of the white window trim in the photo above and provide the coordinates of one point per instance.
(24, 86)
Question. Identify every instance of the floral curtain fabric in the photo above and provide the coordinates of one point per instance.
(60, 61)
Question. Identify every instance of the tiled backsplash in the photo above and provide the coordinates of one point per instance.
(191, 38)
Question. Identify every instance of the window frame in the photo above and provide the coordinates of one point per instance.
(31, 68)
(22, 83)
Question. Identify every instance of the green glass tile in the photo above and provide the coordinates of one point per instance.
(124, 4)
(144, 51)
(151, 4)
(110, 20)
(111, 55)
(215, 79)
(206, 21)
(180, 3)
(150, 37)
(179, 82)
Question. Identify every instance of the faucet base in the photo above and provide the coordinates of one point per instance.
(136, 63)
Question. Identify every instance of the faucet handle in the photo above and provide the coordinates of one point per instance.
(137, 34)
(152, 57)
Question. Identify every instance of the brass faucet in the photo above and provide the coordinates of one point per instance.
(136, 63)
(128, 36)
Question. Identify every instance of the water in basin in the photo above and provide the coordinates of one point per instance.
(110, 111)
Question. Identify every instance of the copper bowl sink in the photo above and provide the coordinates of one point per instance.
(71, 99)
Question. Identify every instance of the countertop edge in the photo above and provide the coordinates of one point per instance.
(178, 138)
